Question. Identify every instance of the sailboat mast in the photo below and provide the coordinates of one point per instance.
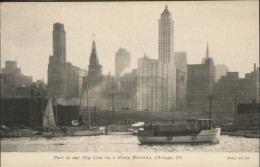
(89, 125)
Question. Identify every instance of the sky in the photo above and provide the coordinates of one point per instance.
(230, 28)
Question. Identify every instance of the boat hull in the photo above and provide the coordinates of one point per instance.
(204, 136)
(87, 133)
(51, 134)
(119, 133)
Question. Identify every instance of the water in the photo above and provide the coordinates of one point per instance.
(122, 143)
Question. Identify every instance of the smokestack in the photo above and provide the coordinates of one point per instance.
(255, 67)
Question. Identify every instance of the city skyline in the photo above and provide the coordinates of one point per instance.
(236, 39)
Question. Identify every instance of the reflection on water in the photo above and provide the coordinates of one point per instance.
(123, 143)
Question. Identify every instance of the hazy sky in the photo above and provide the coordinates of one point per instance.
(231, 28)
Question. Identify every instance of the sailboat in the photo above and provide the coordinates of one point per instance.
(49, 125)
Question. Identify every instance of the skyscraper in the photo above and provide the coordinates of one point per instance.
(57, 62)
(122, 61)
(156, 79)
(166, 56)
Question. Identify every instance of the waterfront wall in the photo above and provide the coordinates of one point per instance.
(29, 111)
(22, 111)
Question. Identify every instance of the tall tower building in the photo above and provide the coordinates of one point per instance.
(57, 63)
(95, 75)
(156, 79)
(166, 57)
(122, 61)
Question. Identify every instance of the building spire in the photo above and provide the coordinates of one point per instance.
(166, 11)
(94, 57)
(207, 52)
(93, 45)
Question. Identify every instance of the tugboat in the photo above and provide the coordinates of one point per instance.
(192, 131)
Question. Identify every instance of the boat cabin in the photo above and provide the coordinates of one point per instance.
(202, 124)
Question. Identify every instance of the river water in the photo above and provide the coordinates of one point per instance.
(122, 143)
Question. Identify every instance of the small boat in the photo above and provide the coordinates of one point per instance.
(119, 130)
(6, 132)
(192, 131)
(83, 131)
(252, 135)
(10, 134)
(126, 127)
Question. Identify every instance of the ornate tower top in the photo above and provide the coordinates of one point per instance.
(166, 11)
(93, 60)
(166, 37)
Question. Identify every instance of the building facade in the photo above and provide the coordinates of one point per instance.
(122, 61)
(200, 83)
(231, 90)
(181, 80)
(74, 80)
(151, 87)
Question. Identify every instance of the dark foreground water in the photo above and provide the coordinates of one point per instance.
(122, 143)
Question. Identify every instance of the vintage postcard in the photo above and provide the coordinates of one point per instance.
(172, 83)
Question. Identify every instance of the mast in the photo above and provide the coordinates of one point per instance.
(89, 125)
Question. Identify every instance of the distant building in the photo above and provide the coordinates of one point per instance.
(11, 78)
(74, 80)
(246, 89)
(200, 82)
(221, 70)
(20, 79)
(231, 89)
(95, 75)
(122, 61)
(125, 96)
(181, 79)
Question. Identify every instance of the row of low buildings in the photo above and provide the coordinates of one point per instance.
(16, 84)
